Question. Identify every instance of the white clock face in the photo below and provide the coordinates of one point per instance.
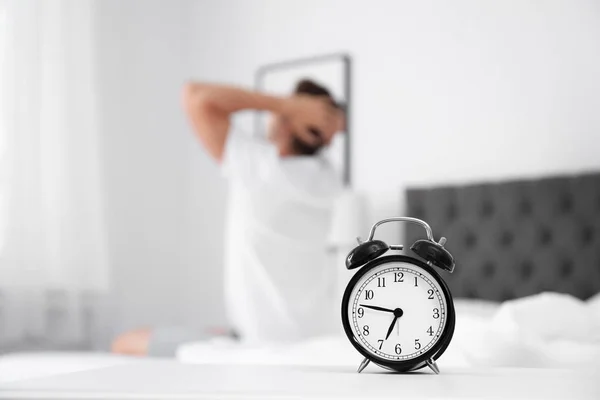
(397, 311)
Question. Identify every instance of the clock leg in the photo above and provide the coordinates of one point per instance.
(431, 364)
(363, 365)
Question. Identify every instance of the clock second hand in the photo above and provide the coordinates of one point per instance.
(397, 314)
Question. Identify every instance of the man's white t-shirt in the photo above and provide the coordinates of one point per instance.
(279, 278)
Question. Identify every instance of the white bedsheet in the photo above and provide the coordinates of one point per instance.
(549, 330)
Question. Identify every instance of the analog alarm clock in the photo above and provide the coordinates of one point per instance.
(397, 311)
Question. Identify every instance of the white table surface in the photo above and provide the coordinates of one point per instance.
(158, 379)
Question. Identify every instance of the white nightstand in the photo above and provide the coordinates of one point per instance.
(171, 380)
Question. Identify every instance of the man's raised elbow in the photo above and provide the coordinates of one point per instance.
(194, 95)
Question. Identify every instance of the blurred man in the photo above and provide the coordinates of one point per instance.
(278, 284)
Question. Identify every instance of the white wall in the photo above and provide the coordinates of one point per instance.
(444, 91)
(164, 198)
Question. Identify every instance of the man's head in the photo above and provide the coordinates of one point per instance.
(282, 133)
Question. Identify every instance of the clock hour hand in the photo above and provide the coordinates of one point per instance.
(376, 308)
(391, 327)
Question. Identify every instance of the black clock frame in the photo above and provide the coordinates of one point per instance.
(445, 337)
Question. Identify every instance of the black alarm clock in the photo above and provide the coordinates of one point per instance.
(397, 311)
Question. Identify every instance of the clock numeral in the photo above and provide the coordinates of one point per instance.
(361, 312)
(430, 291)
(369, 294)
(381, 282)
(398, 349)
(417, 344)
(366, 330)
(430, 331)
(380, 341)
(416, 281)
(436, 313)
(399, 277)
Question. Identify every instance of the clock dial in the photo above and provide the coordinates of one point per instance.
(397, 311)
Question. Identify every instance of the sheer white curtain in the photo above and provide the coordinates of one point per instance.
(53, 261)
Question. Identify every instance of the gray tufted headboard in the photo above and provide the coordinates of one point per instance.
(517, 238)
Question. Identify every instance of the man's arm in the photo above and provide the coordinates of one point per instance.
(209, 108)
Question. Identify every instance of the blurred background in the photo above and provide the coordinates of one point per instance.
(112, 216)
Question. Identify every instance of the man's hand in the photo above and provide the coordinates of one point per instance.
(132, 343)
(209, 108)
(306, 113)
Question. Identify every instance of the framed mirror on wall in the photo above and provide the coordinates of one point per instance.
(333, 71)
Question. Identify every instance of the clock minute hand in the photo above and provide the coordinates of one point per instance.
(376, 308)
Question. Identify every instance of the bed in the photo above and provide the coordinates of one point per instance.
(522, 248)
